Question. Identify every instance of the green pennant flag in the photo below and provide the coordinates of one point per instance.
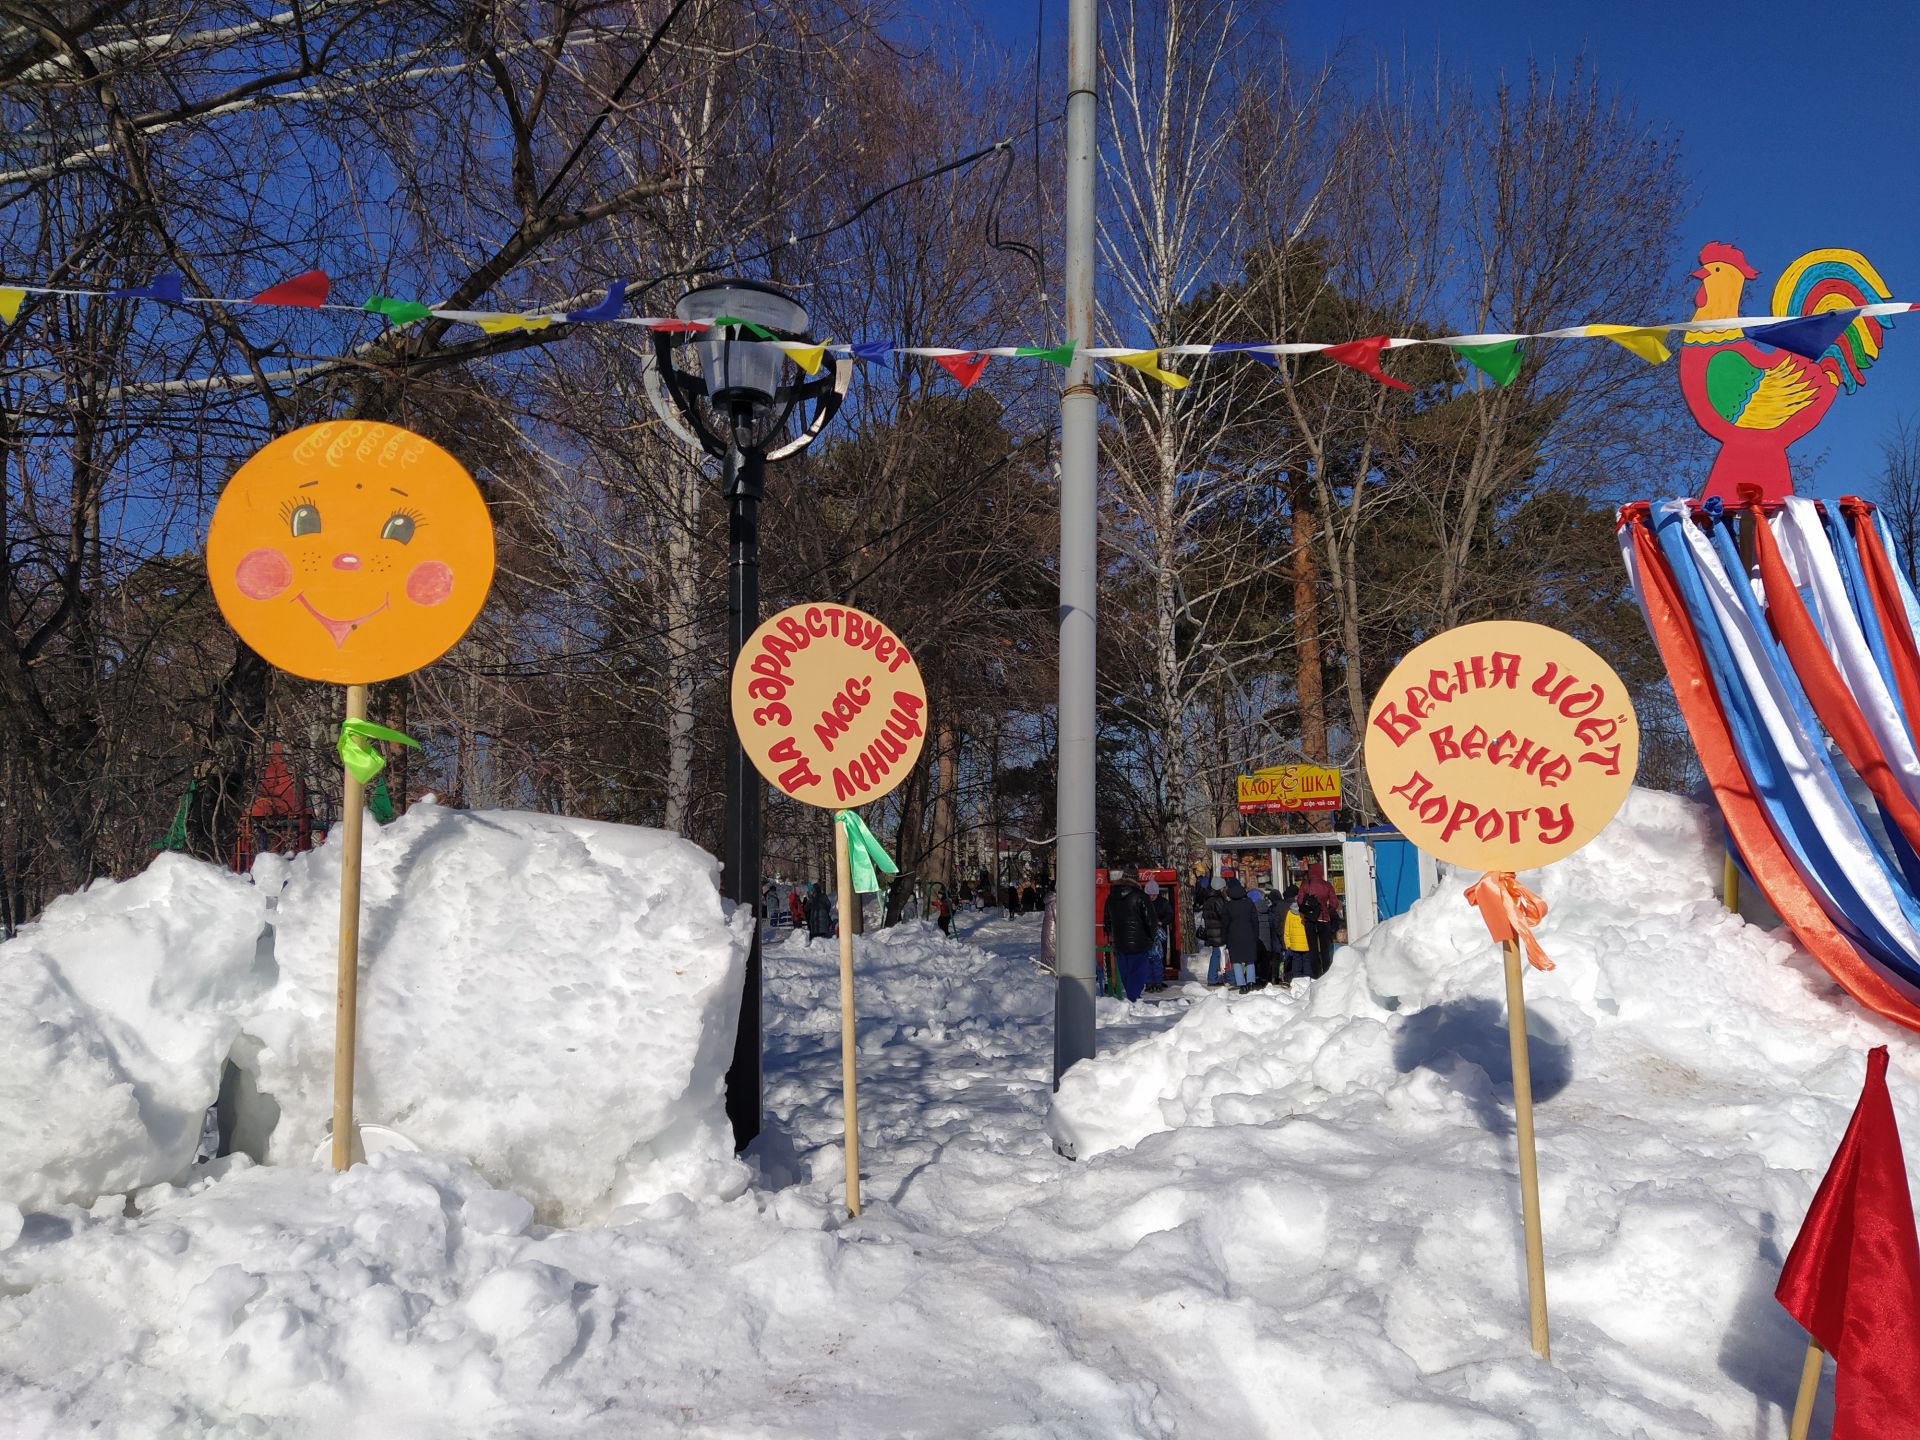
(176, 838)
(1499, 362)
(361, 760)
(1058, 355)
(380, 802)
(400, 312)
(864, 854)
(760, 330)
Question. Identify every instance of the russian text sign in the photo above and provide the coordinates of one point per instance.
(1501, 746)
(1282, 788)
(829, 705)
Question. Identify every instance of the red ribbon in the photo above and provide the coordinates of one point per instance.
(1511, 911)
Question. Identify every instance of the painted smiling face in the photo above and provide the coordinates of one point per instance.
(350, 552)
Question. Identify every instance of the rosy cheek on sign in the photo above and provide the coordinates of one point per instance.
(263, 574)
(429, 582)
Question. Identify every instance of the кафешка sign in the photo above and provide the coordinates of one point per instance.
(829, 705)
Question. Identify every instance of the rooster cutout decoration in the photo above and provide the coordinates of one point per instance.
(1757, 398)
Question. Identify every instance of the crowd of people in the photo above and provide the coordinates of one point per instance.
(1255, 939)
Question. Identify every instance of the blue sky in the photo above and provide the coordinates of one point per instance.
(1794, 137)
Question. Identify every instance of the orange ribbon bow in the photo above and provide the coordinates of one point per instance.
(1511, 911)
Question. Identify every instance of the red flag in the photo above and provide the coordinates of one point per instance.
(964, 368)
(309, 289)
(1853, 1278)
(1364, 356)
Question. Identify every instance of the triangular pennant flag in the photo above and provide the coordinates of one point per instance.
(400, 312)
(747, 325)
(1147, 362)
(1807, 336)
(162, 287)
(502, 324)
(609, 307)
(1230, 347)
(1852, 1279)
(10, 299)
(1364, 356)
(808, 357)
(1649, 342)
(679, 327)
(873, 351)
(964, 368)
(1058, 355)
(309, 290)
(1498, 361)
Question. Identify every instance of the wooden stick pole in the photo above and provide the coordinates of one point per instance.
(1809, 1387)
(1523, 1137)
(347, 994)
(844, 876)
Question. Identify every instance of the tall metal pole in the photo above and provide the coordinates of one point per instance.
(745, 483)
(1079, 526)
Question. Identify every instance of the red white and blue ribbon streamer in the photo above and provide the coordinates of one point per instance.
(1799, 683)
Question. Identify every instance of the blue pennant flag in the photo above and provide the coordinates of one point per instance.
(607, 309)
(1228, 347)
(163, 287)
(1808, 336)
(872, 350)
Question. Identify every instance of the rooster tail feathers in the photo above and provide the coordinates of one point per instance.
(1825, 280)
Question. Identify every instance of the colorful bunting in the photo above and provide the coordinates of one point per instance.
(1259, 348)
(504, 324)
(1364, 356)
(964, 368)
(1499, 361)
(1647, 341)
(399, 312)
(760, 330)
(1061, 355)
(677, 327)
(308, 290)
(872, 351)
(1147, 362)
(10, 298)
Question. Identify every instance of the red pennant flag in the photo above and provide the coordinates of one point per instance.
(1364, 356)
(964, 368)
(309, 290)
(1853, 1277)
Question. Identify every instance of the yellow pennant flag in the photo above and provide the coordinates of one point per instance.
(1648, 342)
(10, 299)
(1147, 362)
(808, 357)
(501, 324)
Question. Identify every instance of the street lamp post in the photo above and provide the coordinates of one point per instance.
(735, 401)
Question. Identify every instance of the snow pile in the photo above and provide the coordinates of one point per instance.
(116, 1009)
(551, 1000)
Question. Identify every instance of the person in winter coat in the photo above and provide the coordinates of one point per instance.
(1163, 921)
(819, 912)
(1130, 924)
(1296, 950)
(1213, 930)
(1320, 909)
(1243, 934)
(943, 909)
(796, 907)
(1263, 958)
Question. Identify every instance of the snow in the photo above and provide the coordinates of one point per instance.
(1293, 1212)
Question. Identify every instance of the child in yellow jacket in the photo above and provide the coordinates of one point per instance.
(1298, 958)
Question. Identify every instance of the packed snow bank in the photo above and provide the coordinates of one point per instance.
(116, 1010)
(551, 1000)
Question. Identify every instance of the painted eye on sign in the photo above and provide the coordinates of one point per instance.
(829, 705)
(1501, 746)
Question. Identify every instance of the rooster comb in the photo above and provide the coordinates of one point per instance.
(1719, 250)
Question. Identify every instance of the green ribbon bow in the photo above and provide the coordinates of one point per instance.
(363, 762)
(864, 853)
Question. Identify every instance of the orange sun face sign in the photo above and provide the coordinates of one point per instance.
(350, 551)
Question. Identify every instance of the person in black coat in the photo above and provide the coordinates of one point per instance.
(1243, 934)
(1129, 922)
(819, 912)
(1213, 930)
(1163, 921)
